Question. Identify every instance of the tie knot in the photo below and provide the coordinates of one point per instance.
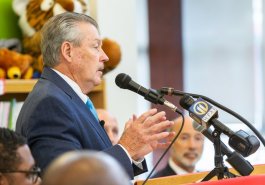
(92, 108)
(89, 103)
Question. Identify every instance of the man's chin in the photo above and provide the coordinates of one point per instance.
(98, 82)
(191, 163)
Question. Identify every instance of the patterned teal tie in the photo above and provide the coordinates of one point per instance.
(92, 108)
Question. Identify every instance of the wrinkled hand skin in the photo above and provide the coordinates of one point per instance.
(142, 135)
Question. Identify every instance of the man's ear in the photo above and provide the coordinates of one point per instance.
(66, 49)
(3, 180)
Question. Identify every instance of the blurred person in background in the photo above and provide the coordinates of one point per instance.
(110, 125)
(185, 152)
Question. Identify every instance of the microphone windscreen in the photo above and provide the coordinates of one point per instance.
(122, 80)
(186, 102)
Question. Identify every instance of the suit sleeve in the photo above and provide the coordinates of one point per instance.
(119, 154)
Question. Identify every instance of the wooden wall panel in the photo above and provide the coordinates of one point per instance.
(165, 41)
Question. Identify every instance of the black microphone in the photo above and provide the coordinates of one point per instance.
(124, 81)
(206, 115)
(242, 166)
(102, 123)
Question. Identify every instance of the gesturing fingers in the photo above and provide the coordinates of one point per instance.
(166, 140)
(146, 115)
(150, 118)
(160, 127)
(160, 136)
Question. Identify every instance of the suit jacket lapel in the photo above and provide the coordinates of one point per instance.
(52, 76)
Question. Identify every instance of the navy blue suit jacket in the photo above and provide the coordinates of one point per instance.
(55, 120)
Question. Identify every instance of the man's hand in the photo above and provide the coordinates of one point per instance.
(142, 135)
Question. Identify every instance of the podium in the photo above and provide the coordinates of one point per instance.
(257, 177)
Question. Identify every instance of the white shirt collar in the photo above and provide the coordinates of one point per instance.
(178, 170)
(73, 85)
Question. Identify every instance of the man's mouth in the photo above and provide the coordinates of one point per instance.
(191, 155)
(101, 70)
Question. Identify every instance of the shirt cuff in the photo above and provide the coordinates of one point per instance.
(137, 163)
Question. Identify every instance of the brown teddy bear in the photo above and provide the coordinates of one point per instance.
(113, 51)
(14, 65)
(34, 13)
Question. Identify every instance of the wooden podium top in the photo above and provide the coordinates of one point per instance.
(195, 177)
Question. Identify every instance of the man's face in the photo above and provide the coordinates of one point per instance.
(88, 59)
(27, 163)
(187, 149)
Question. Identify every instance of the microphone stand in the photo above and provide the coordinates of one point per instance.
(171, 91)
(220, 170)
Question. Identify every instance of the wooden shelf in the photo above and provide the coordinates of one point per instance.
(18, 86)
(19, 89)
(25, 86)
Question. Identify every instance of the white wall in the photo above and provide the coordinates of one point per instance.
(220, 61)
(126, 23)
(119, 20)
(218, 53)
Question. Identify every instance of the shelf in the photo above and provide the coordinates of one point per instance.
(18, 86)
(19, 89)
(25, 86)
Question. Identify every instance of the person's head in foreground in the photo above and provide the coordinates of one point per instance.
(17, 166)
(85, 168)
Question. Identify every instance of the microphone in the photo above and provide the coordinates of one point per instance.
(205, 114)
(124, 81)
(242, 166)
(102, 123)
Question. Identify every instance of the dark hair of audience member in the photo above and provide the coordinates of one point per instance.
(10, 141)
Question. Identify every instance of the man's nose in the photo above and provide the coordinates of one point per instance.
(192, 143)
(104, 57)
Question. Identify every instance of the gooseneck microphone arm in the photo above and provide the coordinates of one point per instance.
(171, 91)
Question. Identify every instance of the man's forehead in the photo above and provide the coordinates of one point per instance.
(187, 128)
(187, 123)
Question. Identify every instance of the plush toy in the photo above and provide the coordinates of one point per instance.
(34, 13)
(113, 51)
(14, 65)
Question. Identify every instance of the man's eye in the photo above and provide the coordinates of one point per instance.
(96, 47)
(184, 138)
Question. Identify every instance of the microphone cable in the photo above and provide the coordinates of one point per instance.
(171, 91)
(167, 149)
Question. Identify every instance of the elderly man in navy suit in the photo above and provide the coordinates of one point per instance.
(58, 116)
